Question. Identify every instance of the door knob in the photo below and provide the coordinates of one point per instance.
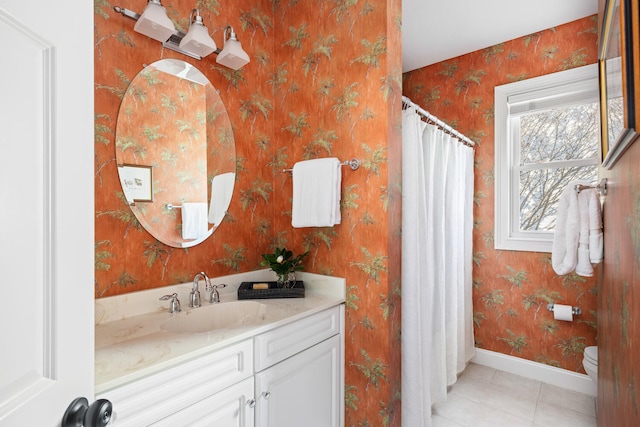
(81, 414)
(251, 403)
(266, 395)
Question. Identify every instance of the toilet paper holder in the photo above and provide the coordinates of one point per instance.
(575, 310)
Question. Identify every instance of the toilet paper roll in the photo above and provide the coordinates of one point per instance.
(563, 312)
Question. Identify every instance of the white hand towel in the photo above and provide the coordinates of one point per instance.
(564, 253)
(595, 228)
(194, 220)
(221, 192)
(316, 193)
(584, 267)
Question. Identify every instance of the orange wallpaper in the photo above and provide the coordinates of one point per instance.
(511, 288)
(339, 92)
(324, 80)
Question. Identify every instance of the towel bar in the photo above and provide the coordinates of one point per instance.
(601, 187)
(353, 164)
(171, 207)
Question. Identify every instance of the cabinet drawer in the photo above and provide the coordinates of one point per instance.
(153, 398)
(285, 341)
(232, 407)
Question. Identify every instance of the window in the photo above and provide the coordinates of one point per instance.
(546, 135)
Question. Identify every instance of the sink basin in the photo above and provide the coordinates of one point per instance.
(226, 315)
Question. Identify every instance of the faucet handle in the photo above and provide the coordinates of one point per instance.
(215, 295)
(211, 287)
(175, 302)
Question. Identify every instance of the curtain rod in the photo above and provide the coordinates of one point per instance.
(465, 140)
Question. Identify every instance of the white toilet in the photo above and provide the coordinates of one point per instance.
(590, 362)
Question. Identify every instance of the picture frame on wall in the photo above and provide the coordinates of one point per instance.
(617, 103)
(137, 182)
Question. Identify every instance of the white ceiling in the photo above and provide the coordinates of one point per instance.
(437, 30)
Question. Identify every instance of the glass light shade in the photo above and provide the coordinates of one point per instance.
(154, 22)
(233, 56)
(198, 41)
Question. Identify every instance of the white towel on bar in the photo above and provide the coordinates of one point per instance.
(564, 252)
(194, 220)
(578, 241)
(221, 192)
(316, 193)
(595, 228)
(584, 267)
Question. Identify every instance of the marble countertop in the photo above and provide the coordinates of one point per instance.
(129, 347)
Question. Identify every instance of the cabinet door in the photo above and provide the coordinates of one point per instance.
(304, 390)
(232, 407)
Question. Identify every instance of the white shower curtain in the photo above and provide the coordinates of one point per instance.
(437, 223)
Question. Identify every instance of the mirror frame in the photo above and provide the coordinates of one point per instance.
(616, 81)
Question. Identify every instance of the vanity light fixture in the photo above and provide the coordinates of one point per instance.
(154, 22)
(232, 55)
(197, 40)
(197, 43)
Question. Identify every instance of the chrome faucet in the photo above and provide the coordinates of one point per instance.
(194, 297)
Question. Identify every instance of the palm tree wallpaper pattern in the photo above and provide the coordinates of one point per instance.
(324, 80)
(511, 288)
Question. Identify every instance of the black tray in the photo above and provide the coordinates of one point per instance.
(246, 291)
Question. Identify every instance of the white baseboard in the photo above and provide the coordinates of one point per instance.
(537, 371)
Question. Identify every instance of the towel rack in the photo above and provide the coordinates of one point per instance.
(601, 187)
(171, 207)
(353, 164)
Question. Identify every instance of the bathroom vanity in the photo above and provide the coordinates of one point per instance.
(274, 362)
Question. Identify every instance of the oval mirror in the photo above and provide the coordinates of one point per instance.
(175, 153)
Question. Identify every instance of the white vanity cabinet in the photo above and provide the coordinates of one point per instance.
(291, 375)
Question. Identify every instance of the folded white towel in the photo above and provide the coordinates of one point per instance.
(221, 192)
(584, 267)
(316, 193)
(595, 228)
(564, 253)
(194, 220)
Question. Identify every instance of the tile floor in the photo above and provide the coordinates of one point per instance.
(487, 397)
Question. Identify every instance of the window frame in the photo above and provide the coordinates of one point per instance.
(533, 94)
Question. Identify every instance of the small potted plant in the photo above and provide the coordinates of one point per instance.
(284, 264)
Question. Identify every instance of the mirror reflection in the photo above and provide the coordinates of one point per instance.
(175, 153)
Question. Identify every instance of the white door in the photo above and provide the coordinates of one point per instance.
(46, 209)
(303, 390)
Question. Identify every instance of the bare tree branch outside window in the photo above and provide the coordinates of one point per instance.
(549, 141)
